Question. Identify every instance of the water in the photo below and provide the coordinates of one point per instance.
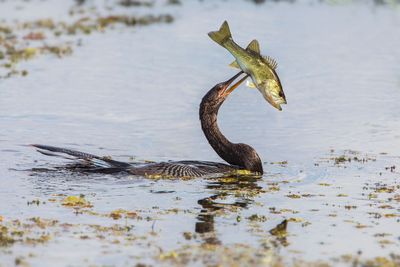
(134, 92)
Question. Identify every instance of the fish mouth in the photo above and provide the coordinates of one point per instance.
(276, 105)
(274, 96)
(276, 102)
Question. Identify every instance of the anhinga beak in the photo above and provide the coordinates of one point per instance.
(227, 90)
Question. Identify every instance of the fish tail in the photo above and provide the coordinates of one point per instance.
(222, 35)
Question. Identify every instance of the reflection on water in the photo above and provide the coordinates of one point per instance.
(240, 188)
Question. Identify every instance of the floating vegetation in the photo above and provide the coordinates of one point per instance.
(28, 232)
(273, 210)
(296, 220)
(119, 213)
(349, 207)
(135, 3)
(280, 232)
(76, 202)
(257, 218)
(5, 237)
(280, 229)
(23, 41)
(174, 2)
(324, 184)
(232, 200)
(295, 196)
(341, 159)
(36, 202)
(348, 156)
(282, 163)
(38, 230)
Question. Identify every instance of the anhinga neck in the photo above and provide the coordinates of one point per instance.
(240, 155)
(209, 108)
(209, 125)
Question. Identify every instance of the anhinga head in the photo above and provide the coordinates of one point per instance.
(218, 94)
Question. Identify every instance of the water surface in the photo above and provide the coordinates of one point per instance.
(133, 93)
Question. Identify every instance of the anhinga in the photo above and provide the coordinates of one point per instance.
(239, 156)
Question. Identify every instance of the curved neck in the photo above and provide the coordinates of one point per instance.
(241, 155)
(208, 117)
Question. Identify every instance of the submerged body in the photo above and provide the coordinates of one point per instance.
(239, 156)
(86, 162)
(261, 69)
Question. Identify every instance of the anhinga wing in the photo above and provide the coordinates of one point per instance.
(182, 169)
(92, 163)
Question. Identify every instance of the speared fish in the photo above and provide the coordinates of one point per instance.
(260, 68)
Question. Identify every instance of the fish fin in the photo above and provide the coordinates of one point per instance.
(234, 64)
(250, 84)
(222, 34)
(254, 46)
(271, 62)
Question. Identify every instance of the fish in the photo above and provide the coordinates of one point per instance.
(261, 69)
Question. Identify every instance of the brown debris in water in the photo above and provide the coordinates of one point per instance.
(257, 218)
(135, 3)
